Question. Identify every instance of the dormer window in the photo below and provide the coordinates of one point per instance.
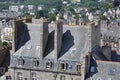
(35, 63)
(63, 66)
(20, 61)
(48, 65)
(78, 68)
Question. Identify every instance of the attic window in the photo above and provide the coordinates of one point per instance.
(48, 65)
(63, 66)
(78, 68)
(20, 61)
(35, 63)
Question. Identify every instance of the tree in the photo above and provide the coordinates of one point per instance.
(51, 16)
(39, 14)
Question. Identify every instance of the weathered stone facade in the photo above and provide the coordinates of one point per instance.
(69, 59)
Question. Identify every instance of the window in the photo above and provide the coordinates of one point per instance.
(62, 77)
(2, 70)
(78, 68)
(20, 61)
(63, 66)
(35, 63)
(19, 76)
(8, 78)
(33, 76)
(48, 65)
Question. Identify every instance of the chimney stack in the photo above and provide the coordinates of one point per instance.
(58, 38)
(43, 36)
(94, 34)
(18, 28)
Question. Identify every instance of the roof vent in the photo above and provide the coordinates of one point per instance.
(112, 71)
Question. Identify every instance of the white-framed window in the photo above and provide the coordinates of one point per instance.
(62, 77)
(19, 76)
(8, 78)
(35, 63)
(20, 61)
(78, 67)
(33, 76)
(63, 66)
(48, 65)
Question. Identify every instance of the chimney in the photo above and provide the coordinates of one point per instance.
(94, 34)
(43, 36)
(58, 38)
(18, 28)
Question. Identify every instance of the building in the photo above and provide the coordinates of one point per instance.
(53, 52)
(111, 36)
(76, 0)
(104, 70)
(14, 8)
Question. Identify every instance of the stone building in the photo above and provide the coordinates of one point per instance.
(57, 52)
(111, 37)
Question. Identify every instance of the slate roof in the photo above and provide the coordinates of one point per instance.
(105, 70)
(112, 35)
(73, 47)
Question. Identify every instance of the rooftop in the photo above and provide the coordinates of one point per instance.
(104, 70)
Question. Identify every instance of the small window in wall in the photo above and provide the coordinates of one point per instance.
(20, 61)
(63, 66)
(8, 78)
(48, 65)
(62, 77)
(35, 63)
(78, 68)
(2, 70)
(33, 76)
(19, 76)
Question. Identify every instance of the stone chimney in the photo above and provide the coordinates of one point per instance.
(43, 36)
(58, 38)
(18, 28)
(94, 34)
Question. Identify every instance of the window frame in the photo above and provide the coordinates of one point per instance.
(62, 77)
(61, 66)
(19, 76)
(20, 61)
(35, 63)
(78, 68)
(33, 76)
(48, 66)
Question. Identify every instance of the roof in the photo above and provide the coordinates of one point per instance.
(74, 44)
(105, 70)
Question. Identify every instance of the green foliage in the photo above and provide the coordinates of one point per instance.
(51, 16)
(77, 16)
(106, 6)
(39, 14)
(102, 17)
(4, 6)
(4, 43)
